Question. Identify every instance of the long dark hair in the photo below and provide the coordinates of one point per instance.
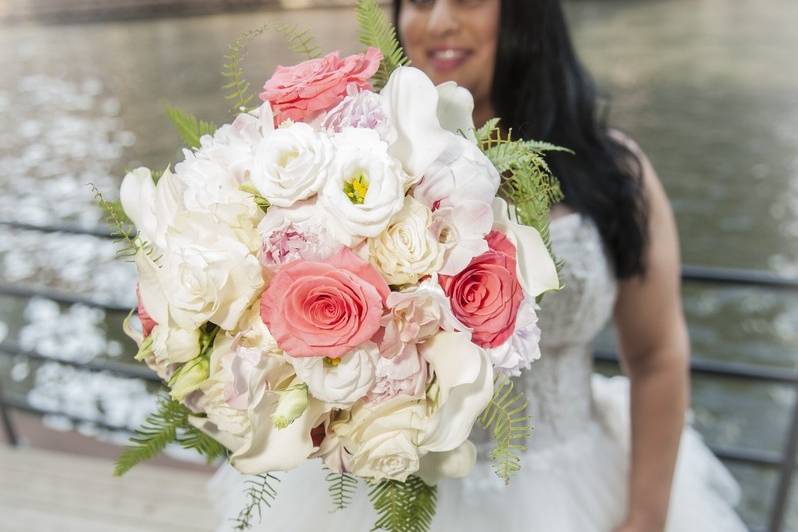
(542, 91)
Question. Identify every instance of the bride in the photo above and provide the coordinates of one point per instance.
(606, 455)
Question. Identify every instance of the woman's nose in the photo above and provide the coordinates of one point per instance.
(444, 18)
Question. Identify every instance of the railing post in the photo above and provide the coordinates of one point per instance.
(781, 501)
(5, 418)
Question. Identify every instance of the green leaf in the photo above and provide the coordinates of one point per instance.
(259, 493)
(168, 424)
(236, 87)
(375, 30)
(506, 420)
(403, 506)
(189, 127)
(341, 487)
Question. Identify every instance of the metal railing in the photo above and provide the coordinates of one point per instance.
(784, 461)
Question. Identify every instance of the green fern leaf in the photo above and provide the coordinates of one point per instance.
(259, 493)
(341, 487)
(194, 439)
(237, 88)
(376, 31)
(159, 430)
(403, 506)
(189, 127)
(506, 420)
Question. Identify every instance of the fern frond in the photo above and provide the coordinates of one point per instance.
(189, 127)
(122, 230)
(341, 487)
(404, 506)
(259, 492)
(375, 30)
(237, 88)
(159, 430)
(194, 439)
(506, 420)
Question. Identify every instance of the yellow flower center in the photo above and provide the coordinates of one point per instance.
(356, 188)
(333, 362)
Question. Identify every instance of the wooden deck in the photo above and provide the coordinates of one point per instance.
(46, 491)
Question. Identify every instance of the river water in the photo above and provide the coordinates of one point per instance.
(709, 89)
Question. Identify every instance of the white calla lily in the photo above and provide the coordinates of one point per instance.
(456, 109)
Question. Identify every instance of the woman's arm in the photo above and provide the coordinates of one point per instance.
(654, 349)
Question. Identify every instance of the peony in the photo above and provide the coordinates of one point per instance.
(291, 164)
(404, 374)
(523, 347)
(486, 295)
(292, 234)
(361, 109)
(324, 308)
(407, 250)
(383, 438)
(339, 382)
(303, 91)
(365, 187)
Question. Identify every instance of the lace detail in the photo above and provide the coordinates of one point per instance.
(558, 386)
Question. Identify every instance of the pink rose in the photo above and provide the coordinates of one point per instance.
(147, 323)
(324, 308)
(486, 295)
(303, 91)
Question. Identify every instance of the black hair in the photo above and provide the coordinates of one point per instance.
(541, 91)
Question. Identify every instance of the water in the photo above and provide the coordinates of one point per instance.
(708, 88)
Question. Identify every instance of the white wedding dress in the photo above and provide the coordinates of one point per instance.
(574, 475)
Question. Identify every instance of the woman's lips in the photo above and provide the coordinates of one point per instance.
(447, 59)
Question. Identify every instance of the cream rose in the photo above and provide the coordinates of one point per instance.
(384, 438)
(291, 164)
(342, 381)
(365, 187)
(407, 250)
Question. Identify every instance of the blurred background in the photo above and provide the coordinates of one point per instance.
(709, 88)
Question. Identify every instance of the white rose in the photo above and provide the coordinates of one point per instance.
(463, 389)
(537, 272)
(384, 438)
(340, 382)
(206, 274)
(364, 189)
(407, 250)
(523, 347)
(174, 345)
(291, 164)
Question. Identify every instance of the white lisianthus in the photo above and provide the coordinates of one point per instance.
(188, 378)
(365, 187)
(537, 272)
(206, 274)
(291, 164)
(384, 438)
(339, 382)
(407, 250)
(457, 463)
(463, 389)
(523, 347)
(173, 345)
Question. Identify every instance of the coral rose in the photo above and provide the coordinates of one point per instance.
(301, 92)
(324, 308)
(486, 295)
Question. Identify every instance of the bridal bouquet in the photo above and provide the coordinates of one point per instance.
(335, 275)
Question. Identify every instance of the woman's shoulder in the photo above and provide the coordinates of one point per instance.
(647, 173)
